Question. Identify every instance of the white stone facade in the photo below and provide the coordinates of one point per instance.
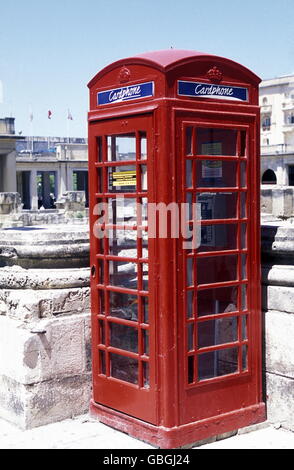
(276, 99)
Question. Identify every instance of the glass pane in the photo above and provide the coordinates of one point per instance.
(122, 179)
(243, 211)
(101, 332)
(121, 148)
(190, 336)
(216, 174)
(101, 302)
(189, 166)
(99, 149)
(243, 236)
(244, 266)
(100, 264)
(123, 337)
(143, 177)
(189, 140)
(243, 297)
(100, 187)
(243, 144)
(218, 237)
(212, 141)
(219, 300)
(124, 368)
(144, 236)
(190, 309)
(190, 369)
(243, 175)
(216, 269)
(123, 305)
(217, 363)
(189, 206)
(123, 243)
(143, 148)
(217, 205)
(142, 211)
(190, 276)
(145, 276)
(122, 211)
(102, 366)
(145, 342)
(244, 327)
(123, 274)
(145, 312)
(146, 381)
(244, 357)
(220, 331)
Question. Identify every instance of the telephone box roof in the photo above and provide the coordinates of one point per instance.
(166, 60)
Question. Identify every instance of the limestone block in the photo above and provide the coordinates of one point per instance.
(13, 337)
(28, 305)
(266, 201)
(29, 406)
(45, 369)
(279, 334)
(61, 351)
(280, 393)
(278, 298)
(12, 405)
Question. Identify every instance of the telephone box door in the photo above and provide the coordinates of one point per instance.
(121, 260)
(220, 320)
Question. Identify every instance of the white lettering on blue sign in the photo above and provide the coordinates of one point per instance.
(117, 95)
(205, 90)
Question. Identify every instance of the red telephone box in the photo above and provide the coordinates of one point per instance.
(175, 266)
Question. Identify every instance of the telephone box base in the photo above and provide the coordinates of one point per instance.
(188, 434)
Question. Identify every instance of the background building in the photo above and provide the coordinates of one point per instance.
(277, 130)
(47, 167)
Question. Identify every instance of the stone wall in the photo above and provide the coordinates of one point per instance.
(45, 360)
(45, 364)
(278, 310)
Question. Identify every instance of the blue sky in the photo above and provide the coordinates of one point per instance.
(49, 50)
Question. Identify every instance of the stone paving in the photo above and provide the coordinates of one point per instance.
(85, 433)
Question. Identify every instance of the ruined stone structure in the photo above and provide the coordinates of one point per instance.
(45, 365)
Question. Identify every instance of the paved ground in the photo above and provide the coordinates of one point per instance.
(84, 433)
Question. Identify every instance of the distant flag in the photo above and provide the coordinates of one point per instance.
(31, 116)
(69, 115)
(49, 114)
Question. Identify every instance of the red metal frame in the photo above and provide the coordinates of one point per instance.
(176, 410)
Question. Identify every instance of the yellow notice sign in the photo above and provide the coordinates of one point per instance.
(124, 178)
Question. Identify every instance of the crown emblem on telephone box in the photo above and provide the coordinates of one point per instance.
(214, 74)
